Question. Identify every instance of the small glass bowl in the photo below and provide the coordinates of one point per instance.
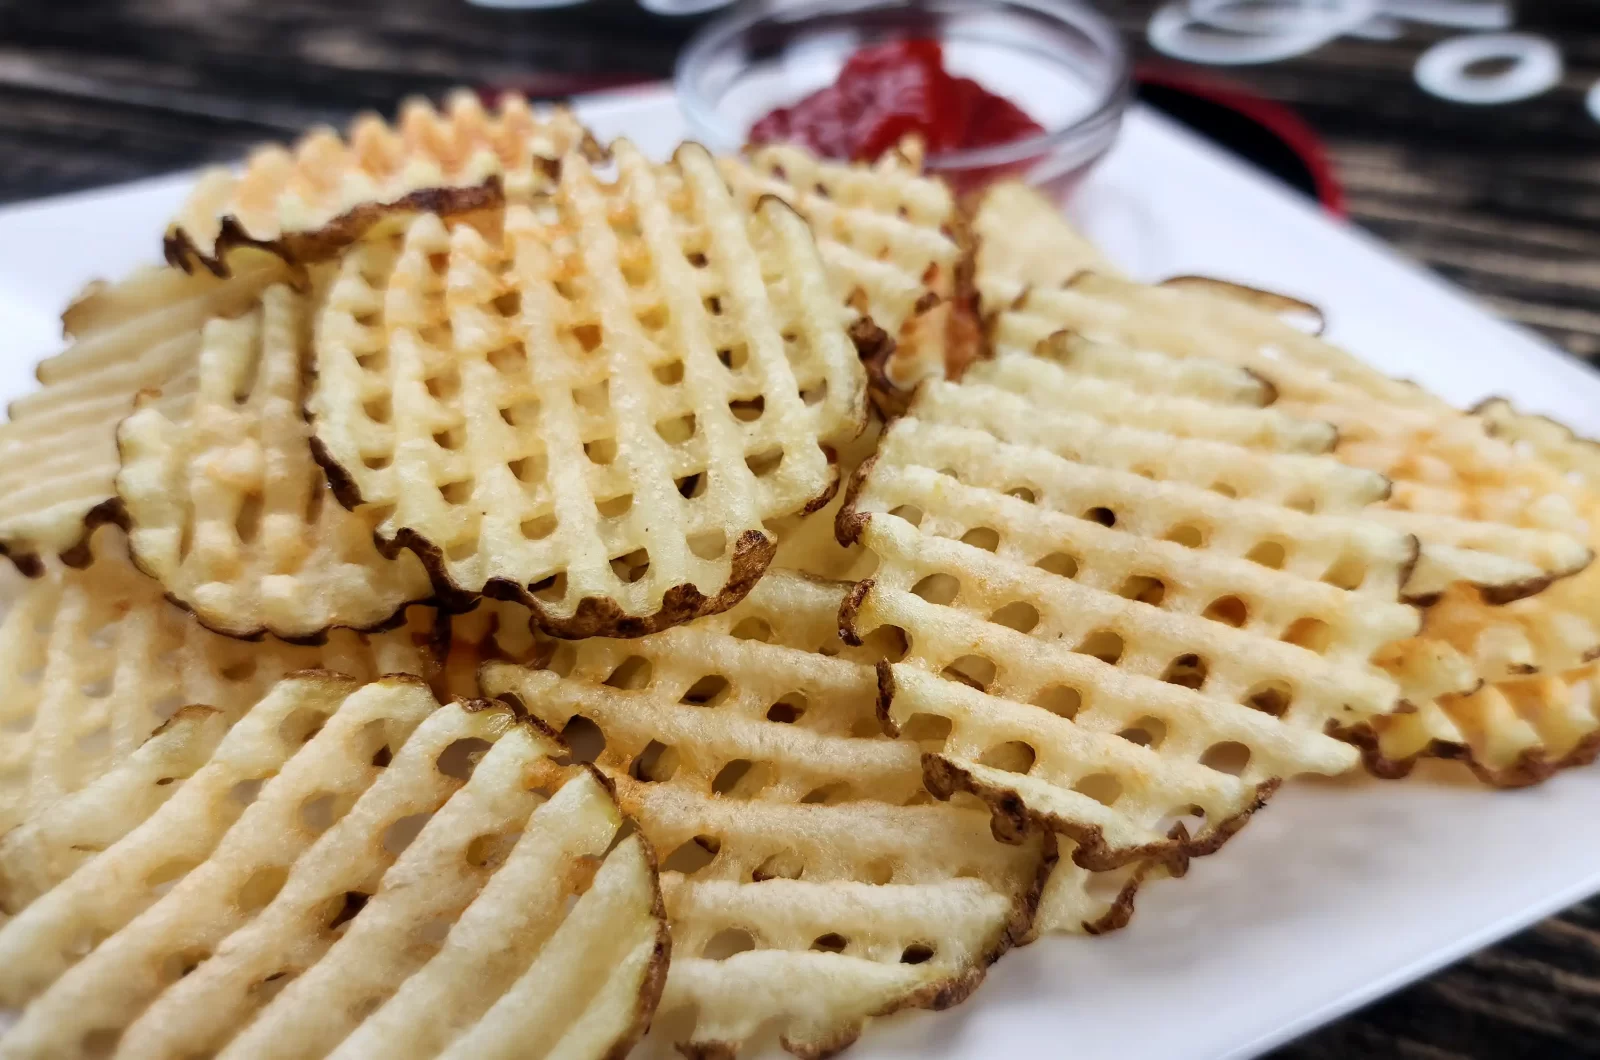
(1057, 59)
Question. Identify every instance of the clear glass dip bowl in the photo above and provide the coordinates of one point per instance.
(1057, 59)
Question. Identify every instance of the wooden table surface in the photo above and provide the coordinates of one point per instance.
(1503, 201)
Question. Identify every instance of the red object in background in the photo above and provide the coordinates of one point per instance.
(1268, 134)
(887, 91)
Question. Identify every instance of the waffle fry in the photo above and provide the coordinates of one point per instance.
(582, 986)
(746, 747)
(40, 945)
(595, 417)
(836, 947)
(1511, 732)
(1487, 514)
(892, 240)
(1381, 421)
(1552, 442)
(279, 890)
(227, 508)
(1530, 710)
(1022, 241)
(1157, 374)
(587, 988)
(58, 454)
(91, 662)
(50, 845)
(1111, 645)
(308, 201)
(1131, 398)
(275, 882)
(1196, 398)
(807, 542)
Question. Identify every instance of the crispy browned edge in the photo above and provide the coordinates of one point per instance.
(321, 244)
(1532, 767)
(1061, 346)
(876, 348)
(1017, 931)
(25, 557)
(936, 996)
(1272, 302)
(124, 519)
(655, 976)
(1506, 594)
(965, 339)
(594, 616)
(963, 336)
(1013, 820)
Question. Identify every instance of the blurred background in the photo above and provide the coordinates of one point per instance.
(1502, 197)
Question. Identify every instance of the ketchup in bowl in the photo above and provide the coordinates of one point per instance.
(888, 91)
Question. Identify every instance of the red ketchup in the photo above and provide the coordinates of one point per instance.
(889, 90)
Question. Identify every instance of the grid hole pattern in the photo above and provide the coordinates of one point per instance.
(226, 507)
(1108, 652)
(886, 234)
(96, 661)
(786, 812)
(589, 386)
(285, 191)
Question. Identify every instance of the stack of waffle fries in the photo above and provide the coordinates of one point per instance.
(494, 594)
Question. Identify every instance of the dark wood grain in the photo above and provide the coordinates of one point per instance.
(1504, 201)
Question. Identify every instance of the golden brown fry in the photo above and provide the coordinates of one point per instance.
(592, 415)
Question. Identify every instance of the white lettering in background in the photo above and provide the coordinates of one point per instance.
(1481, 68)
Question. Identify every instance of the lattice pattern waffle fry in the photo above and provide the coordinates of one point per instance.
(1197, 398)
(1553, 443)
(1465, 641)
(593, 415)
(1511, 732)
(746, 746)
(1486, 513)
(379, 817)
(228, 510)
(58, 453)
(1111, 644)
(1533, 710)
(306, 201)
(893, 243)
(1557, 629)
(786, 634)
(1379, 419)
(1152, 392)
(91, 663)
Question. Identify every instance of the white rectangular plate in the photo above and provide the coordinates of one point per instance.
(1339, 891)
